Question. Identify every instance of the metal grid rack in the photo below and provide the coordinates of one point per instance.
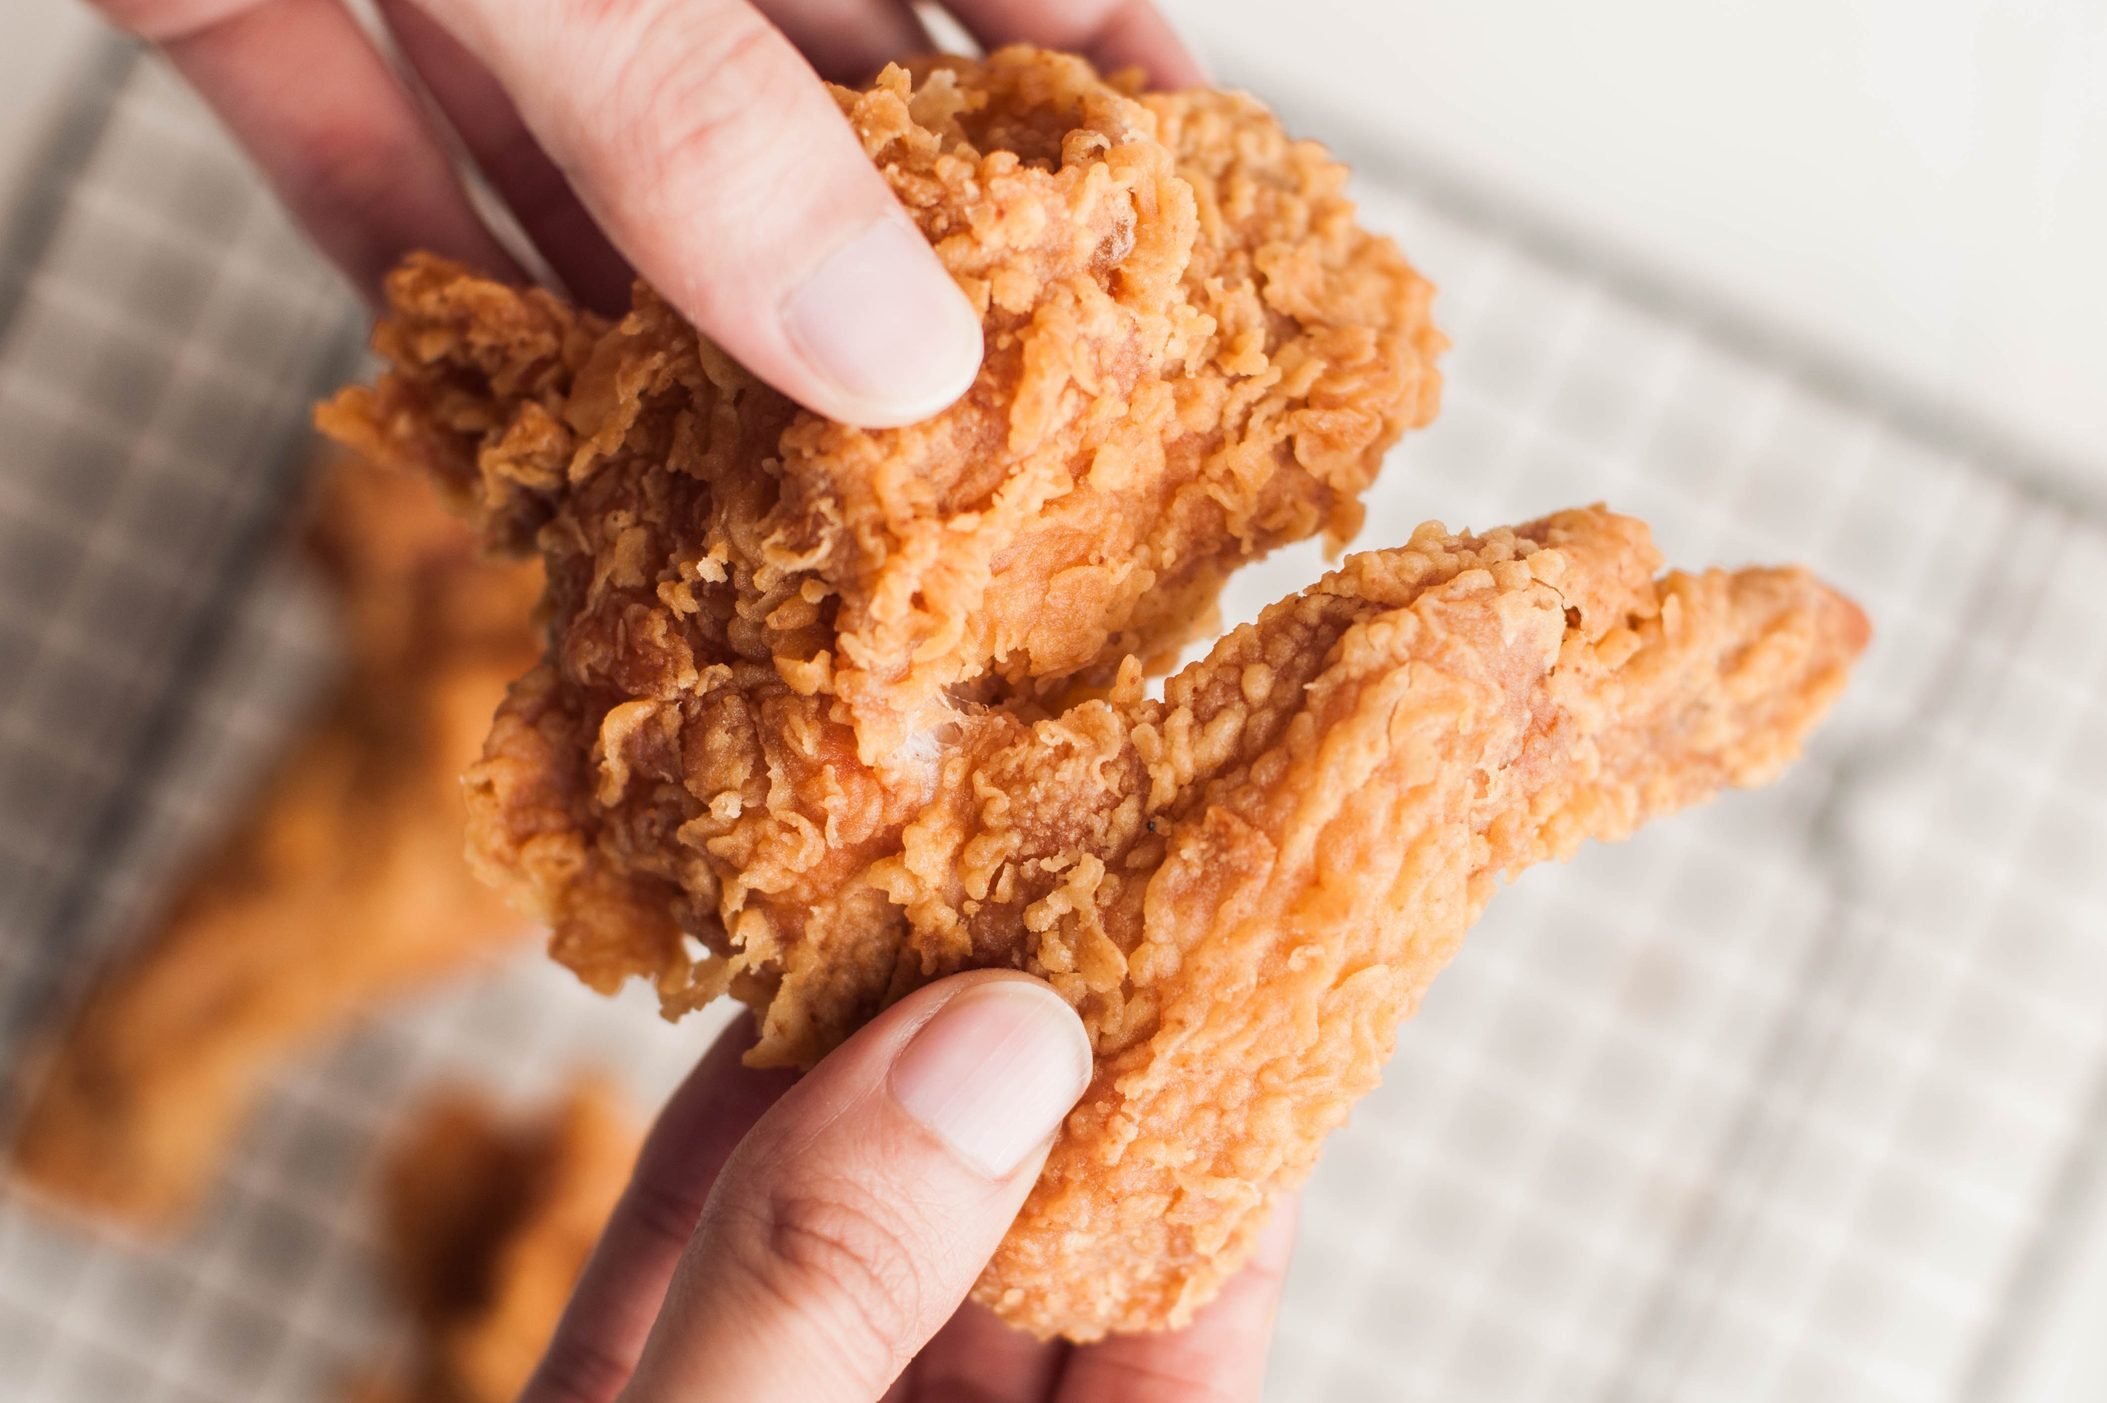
(1788, 1098)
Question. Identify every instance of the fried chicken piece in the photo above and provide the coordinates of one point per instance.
(1193, 354)
(828, 713)
(343, 885)
(488, 1223)
(1246, 887)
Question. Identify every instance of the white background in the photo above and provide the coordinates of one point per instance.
(1917, 187)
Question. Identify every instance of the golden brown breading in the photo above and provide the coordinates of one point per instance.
(1245, 888)
(1193, 353)
(828, 713)
(488, 1223)
(342, 886)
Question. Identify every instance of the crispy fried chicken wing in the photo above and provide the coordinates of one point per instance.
(487, 1223)
(827, 713)
(343, 885)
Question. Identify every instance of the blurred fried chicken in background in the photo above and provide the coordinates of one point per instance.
(487, 1222)
(828, 712)
(343, 885)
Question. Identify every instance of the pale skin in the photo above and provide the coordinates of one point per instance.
(783, 1240)
(812, 1239)
(686, 141)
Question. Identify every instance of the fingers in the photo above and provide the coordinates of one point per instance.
(721, 168)
(597, 1342)
(521, 173)
(975, 1356)
(1113, 34)
(848, 1226)
(1219, 1358)
(848, 41)
(319, 112)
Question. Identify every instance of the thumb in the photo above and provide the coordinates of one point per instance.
(716, 161)
(850, 1223)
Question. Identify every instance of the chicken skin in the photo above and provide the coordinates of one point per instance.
(341, 887)
(827, 713)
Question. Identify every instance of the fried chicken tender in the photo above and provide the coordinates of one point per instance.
(342, 886)
(828, 713)
(488, 1222)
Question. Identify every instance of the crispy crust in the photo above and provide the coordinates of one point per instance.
(828, 713)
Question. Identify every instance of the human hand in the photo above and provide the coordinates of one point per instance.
(689, 140)
(808, 1240)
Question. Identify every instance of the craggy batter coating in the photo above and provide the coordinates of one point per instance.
(488, 1223)
(1274, 861)
(341, 886)
(828, 713)
(1192, 353)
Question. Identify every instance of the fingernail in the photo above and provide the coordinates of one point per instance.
(994, 1071)
(882, 320)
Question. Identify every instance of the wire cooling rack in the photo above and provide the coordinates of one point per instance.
(1795, 1097)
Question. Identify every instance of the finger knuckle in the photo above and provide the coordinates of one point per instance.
(694, 106)
(664, 1208)
(578, 1371)
(832, 1246)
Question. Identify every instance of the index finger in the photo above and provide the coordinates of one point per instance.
(1113, 34)
(317, 109)
(596, 1344)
